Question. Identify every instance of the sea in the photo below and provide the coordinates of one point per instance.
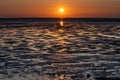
(59, 49)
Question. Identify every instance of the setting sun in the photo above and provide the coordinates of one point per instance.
(61, 10)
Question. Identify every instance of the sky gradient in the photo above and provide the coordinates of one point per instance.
(49, 8)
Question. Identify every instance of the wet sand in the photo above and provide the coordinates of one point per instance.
(48, 51)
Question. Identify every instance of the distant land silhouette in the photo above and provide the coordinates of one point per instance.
(65, 19)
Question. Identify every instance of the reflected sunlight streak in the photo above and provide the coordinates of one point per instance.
(61, 23)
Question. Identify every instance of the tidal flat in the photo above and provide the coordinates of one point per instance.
(51, 51)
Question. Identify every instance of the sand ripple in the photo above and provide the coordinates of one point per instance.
(45, 52)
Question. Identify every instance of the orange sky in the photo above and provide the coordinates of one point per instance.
(49, 8)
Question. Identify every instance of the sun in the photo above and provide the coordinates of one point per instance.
(61, 10)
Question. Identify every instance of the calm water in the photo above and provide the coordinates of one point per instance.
(48, 51)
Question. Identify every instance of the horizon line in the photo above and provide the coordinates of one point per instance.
(59, 18)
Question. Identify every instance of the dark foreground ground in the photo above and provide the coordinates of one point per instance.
(47, 51)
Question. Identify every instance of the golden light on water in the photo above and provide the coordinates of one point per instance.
(61, 23)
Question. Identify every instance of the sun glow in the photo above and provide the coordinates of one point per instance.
(61, 10)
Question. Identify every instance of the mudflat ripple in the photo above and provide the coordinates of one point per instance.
(72, 52)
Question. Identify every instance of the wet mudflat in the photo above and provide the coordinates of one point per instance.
(42, 51)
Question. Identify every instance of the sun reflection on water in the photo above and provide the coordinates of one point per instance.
(61, 23)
